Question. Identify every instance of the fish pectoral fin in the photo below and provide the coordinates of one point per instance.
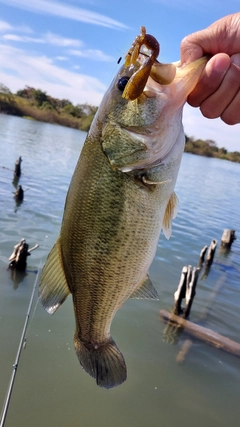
(53, 288)
(170, 213)
(145, 291)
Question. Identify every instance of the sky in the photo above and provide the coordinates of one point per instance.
(70, 48)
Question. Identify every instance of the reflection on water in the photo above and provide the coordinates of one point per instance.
(16, 277)
(50, 388)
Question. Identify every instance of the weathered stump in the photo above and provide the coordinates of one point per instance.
(19, 194)
(228, 238)
(18, 259)
(209, 258)
(186, 289)
(202, 255)
(17, 170)
(191, 291)
(180, 293)
(211, 253)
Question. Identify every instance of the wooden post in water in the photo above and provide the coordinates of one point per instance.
(180, 293)
(209, 257)
(191, 291)
(17, 170)
(186, 289)
(205, 334)
(211, 253)
(176, 320)
(228, 238)
(202, 255)
(19, 194)
(18, 259)
(185, 348)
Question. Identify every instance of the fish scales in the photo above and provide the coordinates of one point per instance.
(120, 196)
(113, 237)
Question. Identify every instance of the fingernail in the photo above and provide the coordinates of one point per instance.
(235, 59)
(220, 63)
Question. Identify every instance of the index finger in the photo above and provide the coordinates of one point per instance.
(211, 78)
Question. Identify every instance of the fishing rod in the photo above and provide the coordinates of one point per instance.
(20, 347)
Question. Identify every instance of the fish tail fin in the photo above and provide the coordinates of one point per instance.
(105, 363)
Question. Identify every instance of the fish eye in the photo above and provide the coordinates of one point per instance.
(122, 82)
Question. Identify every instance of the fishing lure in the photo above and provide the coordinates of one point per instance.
(138, 80)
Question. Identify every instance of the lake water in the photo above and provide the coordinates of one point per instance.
(50, 387)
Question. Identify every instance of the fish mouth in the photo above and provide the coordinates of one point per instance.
(163, 74)
(179, 82)
(190, 73)
(183, 77)
(160, 136)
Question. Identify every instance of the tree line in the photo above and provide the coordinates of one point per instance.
(209, 148)
(37, 104)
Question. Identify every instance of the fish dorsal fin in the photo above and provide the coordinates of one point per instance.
(145, 291)
(170, 213)
(53, 287)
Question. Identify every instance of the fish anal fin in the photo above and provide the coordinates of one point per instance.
(170, 213)
(104, 362)
(53, 288)
(145, 291)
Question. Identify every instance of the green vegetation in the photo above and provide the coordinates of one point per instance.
(36, 104)
(209, 148)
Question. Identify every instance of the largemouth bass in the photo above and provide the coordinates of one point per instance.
(120, 197)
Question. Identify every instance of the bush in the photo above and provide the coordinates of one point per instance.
(46, 106)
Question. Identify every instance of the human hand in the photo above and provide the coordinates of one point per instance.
(218, 90)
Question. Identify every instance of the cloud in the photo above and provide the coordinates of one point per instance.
(18, 69)
(62, 58)
(94, 54)
(5, 26)
(48, 38)
(49, 7)
(24, 39)
(57, 40)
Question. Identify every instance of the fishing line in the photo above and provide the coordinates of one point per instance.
(22, 345)
(32, 316)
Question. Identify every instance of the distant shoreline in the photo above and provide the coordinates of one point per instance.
(37, 105)
(209, 148)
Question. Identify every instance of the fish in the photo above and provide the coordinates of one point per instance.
(120, 197)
